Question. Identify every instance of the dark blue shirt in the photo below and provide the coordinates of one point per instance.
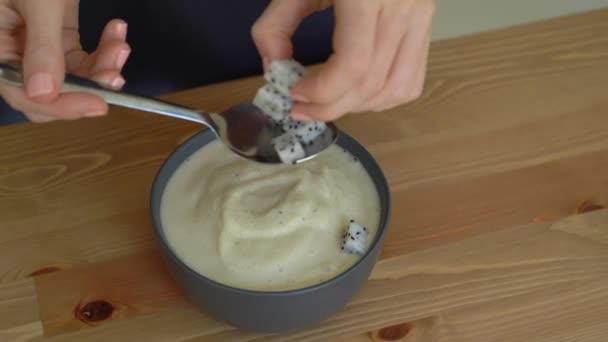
(180, 44)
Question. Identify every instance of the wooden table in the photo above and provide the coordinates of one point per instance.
(499, 175)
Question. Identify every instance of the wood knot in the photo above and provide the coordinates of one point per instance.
(94, 311)
(588, 206)
(44, 270)
(394, 332)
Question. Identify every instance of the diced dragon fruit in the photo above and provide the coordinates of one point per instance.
(273, 103)
(305, 131)
(288, 148)
(282, 74)
(354, 239)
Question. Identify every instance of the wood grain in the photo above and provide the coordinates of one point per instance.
(499, 231)
(530, 269)
(19, 311)
(118, 288)
(569, 315)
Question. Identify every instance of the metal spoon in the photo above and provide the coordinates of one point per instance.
(243, 128)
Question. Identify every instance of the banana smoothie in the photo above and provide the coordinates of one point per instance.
(269, 227)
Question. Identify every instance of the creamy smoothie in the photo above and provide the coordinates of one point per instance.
(267, 227)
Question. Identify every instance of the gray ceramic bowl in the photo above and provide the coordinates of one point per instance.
(269, 311)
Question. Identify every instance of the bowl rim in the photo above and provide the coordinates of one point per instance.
(385, 214)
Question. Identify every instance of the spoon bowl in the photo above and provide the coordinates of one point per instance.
(244, 128)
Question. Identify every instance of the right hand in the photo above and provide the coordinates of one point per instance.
(43, 36)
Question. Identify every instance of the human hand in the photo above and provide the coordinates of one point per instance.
(379, 60)
(43, 36)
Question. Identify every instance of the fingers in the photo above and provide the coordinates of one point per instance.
(10, 18)
(374, 72)
(113, 51)
(51, 29)
(105, 64)
(273, 30)
(389, 35)
(9, 49)
(389, 32)
(43, 61)
(66, 106)
(115, 29)
(408, 69)
(109, 78)
(324, 112)
(111, 55)
(354, 37)
(407, 73)
(39, 118)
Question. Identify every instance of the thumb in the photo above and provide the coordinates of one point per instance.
(273, 30)
(43, 60)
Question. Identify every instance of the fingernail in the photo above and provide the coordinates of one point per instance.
(122, 58)
(94, 113)
(40, 83)
(300, 116)
(117, 83)
(300, 98)
(121, 29)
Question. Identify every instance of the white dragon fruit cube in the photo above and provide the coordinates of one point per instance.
(282, 74)
(274, 104)
(288, 148)
(354, 240)
(305, 131)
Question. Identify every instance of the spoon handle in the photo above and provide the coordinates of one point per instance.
(13, 76)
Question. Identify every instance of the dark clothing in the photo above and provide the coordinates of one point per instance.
(181, 44)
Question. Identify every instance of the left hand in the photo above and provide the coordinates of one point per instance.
(43, 36)
(379, 60)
